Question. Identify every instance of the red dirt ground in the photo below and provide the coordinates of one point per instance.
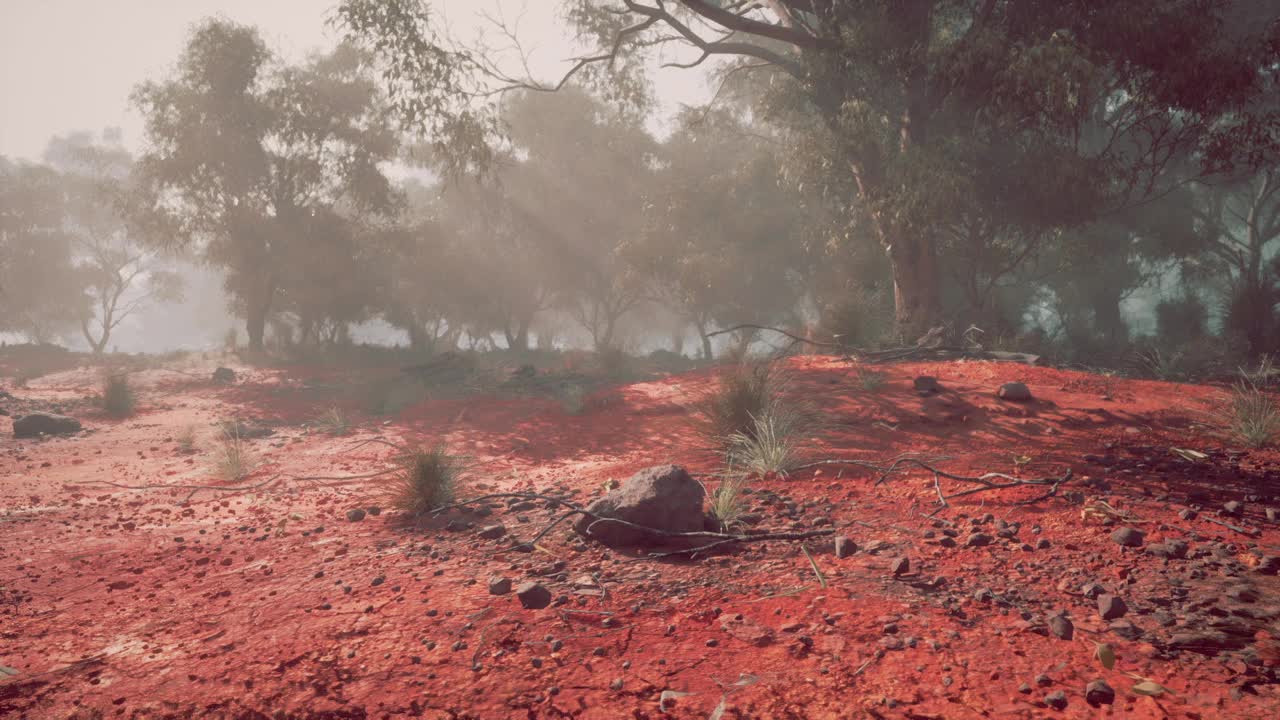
(119, 603)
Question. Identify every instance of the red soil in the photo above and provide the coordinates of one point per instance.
(129, 603)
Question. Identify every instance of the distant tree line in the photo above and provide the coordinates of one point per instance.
(868, 171)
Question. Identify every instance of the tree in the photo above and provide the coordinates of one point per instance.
(247, 158)
(923, 104)
(42, 291)
(121, 274)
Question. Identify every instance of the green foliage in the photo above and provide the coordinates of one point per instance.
(769, 445)
(117, 395)
(742, 393)
(426, 481)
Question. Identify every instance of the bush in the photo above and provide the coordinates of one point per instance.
(870, 380)
(743, 393)
(334, 422)
(425, 482)
(769, 447)
(1249, 415)
(234, 459)
(727, 503)
(117, 395)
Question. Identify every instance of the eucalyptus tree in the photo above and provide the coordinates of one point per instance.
(248, 159)
(927, 108)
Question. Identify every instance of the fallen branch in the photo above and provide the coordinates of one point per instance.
(1251, 532)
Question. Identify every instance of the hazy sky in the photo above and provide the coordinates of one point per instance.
(68, 65)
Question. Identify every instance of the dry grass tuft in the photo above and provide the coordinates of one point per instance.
(1249, 415)
(426, 481)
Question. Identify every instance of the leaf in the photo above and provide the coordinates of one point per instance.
(1021, 459)
(1150, 688)
(7, 672)
(1192, 455)
(668, 695)
(1106, 655)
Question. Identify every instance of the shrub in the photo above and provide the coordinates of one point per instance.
(743, 392)
(614, 363)
(1249, 415)
(573, 398)
(334, 421)
(425, 482)
(234, 459)
(117, 395)
(187, 439)
(727, 502)
(769, 446)
(870, 380)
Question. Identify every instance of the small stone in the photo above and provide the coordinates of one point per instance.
(1098, 693)
(533, 596)
(1014, 392)
(983, 595)
(499, 586)
(1128, 537)
(1056, 700)
(1111, 607)
(1025, 689)
(616, 685)
(1188, 514)
(374, 510)
(1061, 627)
(1043, 680)
(493, 532)
(947, 542)
(844, 547)
(1272, 515)
(978, 540)
(1092, 590)
(1043, 544)
(1233, 508)
(355, 515)
(901, 566)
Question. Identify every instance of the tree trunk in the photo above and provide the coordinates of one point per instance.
(257, 308)
(916, 286)
(1107, 321)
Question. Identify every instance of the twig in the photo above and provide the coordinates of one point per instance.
(1251, 532)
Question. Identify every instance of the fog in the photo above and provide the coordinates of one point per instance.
(513, 175)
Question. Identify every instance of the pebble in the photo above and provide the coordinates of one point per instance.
(1061, 627)
(533, 596)
(1056, 700)
(355, 515)
(844, 547)
(499, 586)
(901, 566)
(493, 532)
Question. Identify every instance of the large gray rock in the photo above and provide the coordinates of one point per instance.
(662, 498)
(38, 423)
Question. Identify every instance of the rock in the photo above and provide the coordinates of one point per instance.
(1056, 700)
(1233, 508)
(1014, 392)
(1272, 515)
(493, 532)
(926, 385)
(40, 423)
(533, 596)
(1098, 693)
(845, 547)
(1268, 565)
(1111, 607)
(499, 586)
(663, 498)
(1205, 641)
(978, 540)
(1128, 537)
(1170, 550)
(901, 566)
(1188, 514)
(1061, 627)
(373, 510)
(355, 515)
(224, 376)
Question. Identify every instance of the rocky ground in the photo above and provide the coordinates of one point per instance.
(135, 584)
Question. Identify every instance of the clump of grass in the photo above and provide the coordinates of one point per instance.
(1263, 374)
(742, 393)
(426, 481)
(234, 459)
(769, 447)
(1249, 415)
(117, 395)
(573, 398)
(870, 380)
(334, 421)
(727, 501)
(187, 439)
